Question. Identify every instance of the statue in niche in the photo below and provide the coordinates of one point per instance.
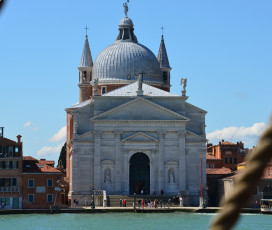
(107, 175)
(171, 176)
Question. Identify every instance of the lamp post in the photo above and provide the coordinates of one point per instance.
(134, 202)
(93, 205)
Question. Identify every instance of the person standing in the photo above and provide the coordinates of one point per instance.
(125, 203)
(121, 203)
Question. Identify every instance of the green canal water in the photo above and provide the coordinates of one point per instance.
(131, 221)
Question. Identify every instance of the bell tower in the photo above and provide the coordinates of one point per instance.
(164, 64)
(85, 72)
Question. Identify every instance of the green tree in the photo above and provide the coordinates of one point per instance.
(62, 157)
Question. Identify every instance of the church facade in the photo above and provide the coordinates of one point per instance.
(128, 134)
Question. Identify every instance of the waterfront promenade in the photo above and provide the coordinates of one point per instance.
(98, 209)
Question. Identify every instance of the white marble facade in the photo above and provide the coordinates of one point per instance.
(109, 130)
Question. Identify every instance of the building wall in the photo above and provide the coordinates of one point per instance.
(40, 190)
(11, 174)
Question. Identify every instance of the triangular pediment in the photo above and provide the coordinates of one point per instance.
(190, 136)
(84, 137)
(140, 109)
(140, 137)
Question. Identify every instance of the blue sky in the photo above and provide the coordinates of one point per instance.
(222, 47)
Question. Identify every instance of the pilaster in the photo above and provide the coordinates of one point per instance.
(161, 160)
(97, 150)
(118, 163)
(182, 160)
(125, 172)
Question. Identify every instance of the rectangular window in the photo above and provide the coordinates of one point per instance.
(17, 164)
(10, 164)
(16, 149)
(49, 198)
(226, 160)
(14, 181)
(50, 183)
(31, 183)
(104, 89)
(230, 160)
(3, 164)
(10, 150)
(31, 198)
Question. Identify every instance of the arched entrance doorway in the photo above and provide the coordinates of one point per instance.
(139, 174)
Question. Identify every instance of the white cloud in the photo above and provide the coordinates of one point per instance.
(246, 134)
(27, 124)
(59, 136)
(48, 150)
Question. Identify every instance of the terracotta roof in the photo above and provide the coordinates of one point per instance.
(218, 171)
(267, 172)
(212, 157)
(32, 165)
(227, 143)
(30, 158)
(6, 141)
(48, 162)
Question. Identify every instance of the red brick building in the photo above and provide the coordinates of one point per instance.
(10, 171)
(230, 153)
(39, 179)
(213, 162)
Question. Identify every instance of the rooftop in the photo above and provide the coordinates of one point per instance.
(131, 90)
(33, 165)
(218, 171)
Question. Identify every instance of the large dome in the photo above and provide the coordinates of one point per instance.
(124, 61)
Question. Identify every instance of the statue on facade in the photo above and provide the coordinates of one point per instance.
(171, 176)
(107, 175)
(125, 8)
(95, 84)
(183, 82)
(75, 127)
(140, 82)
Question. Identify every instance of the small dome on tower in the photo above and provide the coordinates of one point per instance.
(126, 22)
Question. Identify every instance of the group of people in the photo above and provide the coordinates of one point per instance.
(123, 203)
(152, 204)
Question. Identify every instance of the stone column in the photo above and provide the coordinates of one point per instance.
(125, 172)
(161, 161)
(152, 171)
(118, 163)
(182, 161)
(97, 166)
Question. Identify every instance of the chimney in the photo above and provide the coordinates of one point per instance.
(1, 132)
(19, 139)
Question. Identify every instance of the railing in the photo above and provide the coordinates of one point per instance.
(10, 189)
